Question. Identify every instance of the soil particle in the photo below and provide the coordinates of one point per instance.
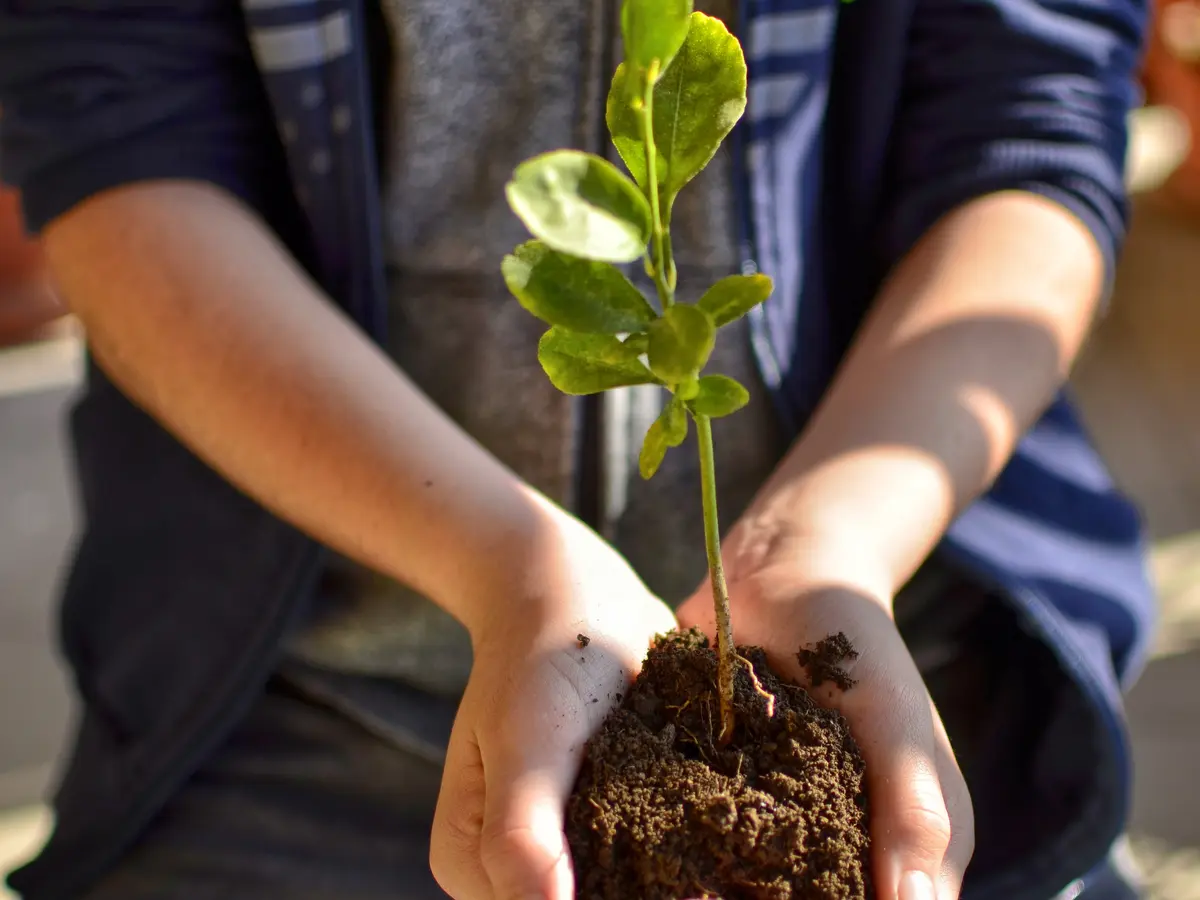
(823, 661)
(661, 813)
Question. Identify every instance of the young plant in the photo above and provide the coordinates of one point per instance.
(675, 98)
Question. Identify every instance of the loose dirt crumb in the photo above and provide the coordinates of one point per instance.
(823, 661)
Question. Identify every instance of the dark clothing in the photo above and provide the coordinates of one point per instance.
(300, 803)
(183, 589)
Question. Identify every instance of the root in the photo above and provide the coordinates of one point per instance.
(767, 696)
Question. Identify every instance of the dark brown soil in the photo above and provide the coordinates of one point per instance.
(823, 661)
(661, 813)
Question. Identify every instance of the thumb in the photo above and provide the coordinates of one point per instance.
(523, 848)
(912, 817)
(910, 824)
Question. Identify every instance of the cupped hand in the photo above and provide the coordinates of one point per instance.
(563, 645)
(922, 825)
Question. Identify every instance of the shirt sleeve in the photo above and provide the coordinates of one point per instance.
(100, 93)
(1016, 95)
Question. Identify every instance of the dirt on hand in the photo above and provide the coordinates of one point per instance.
(823, 661)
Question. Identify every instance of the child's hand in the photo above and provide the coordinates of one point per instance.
(549, 666)
(921, 818)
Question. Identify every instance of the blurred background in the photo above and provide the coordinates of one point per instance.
(1138, 385)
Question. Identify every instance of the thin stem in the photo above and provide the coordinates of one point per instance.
(660, 260)
(726, 656)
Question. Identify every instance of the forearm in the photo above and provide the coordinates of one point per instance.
(203, 319)
(967, 343)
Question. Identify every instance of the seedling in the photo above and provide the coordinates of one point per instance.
(673, 101)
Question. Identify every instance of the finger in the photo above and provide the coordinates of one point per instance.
(531, 761)
(524, 849)
(458, 822)
(910, 822)
(962, 819)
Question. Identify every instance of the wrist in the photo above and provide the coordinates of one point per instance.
(774, 548)
(519, 584)
(868, 517)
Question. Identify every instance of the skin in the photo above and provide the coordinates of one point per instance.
(200, 316)
(966, 345)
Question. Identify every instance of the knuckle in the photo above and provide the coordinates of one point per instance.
(520, 862)
(926, 826)
(454, 841)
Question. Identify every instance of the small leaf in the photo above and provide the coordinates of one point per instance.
(688, 388)
(575, 293)
(654, 451)
(680, 343)
(589, 363)
(674, 422)
(696, 104)
(581, 204)
(731, 298)
(654, 29)
(719, 396)
(637, 344)
(668, 430)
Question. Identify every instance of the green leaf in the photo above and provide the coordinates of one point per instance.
(731, 298)
(654, 451)
(719, 396)
(696, 104)
(581, 204)
(637, 344)
(589, 363)
(654, 29)
(575, 293)
(668, 430)
(680, 343)
(688, 388)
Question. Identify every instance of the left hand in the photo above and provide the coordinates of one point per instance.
(922, 826)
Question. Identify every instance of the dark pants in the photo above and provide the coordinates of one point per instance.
(302, 803)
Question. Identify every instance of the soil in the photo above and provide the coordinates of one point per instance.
(823, 661)
(660, 812)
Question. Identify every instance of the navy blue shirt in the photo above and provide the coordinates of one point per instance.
(182, 586)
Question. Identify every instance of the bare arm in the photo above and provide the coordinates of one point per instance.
(200, 316)
(967, 344)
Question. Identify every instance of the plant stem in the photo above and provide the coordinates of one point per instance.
(660, 260)
(726, 655)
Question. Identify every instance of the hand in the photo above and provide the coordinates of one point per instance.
(534, 698)
(922, 825)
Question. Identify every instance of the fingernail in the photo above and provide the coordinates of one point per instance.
(916, 886)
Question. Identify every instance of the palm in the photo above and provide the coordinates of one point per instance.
(916, 790)
(538, 690)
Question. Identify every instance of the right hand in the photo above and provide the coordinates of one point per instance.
(534, 698)
(922, 821)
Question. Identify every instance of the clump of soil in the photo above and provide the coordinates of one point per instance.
(660, 812)
(823, 662)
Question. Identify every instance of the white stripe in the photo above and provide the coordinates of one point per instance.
(775, 95)
(785, 34)
(761, 162)
(789, 154)
(1068, 456)
(1009, 539)
(791, 148)
(291, 47)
